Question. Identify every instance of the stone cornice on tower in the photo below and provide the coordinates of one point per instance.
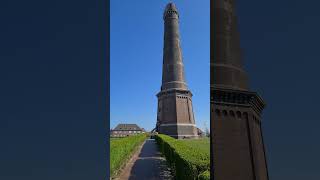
(234, 97)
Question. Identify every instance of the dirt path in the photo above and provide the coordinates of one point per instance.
(146, 164)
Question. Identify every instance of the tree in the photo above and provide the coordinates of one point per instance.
(206, 130)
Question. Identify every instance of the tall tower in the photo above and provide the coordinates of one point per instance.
(237, 143)
(175, 113)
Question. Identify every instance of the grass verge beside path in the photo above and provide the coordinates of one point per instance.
(190, 159)
(121, 149)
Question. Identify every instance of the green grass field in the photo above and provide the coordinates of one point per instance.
(121, 150)
(202, 144)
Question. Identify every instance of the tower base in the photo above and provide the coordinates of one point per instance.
(179, 131)
(237, 139)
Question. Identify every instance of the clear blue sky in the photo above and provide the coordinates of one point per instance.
(136, 44)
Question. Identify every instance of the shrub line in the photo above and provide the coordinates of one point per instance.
(188, 163)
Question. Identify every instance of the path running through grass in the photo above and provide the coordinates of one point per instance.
(146, 164)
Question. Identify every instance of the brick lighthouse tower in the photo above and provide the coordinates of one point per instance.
(237, 142)
(175, 113)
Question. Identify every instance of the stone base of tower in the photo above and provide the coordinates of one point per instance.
(179, 131)
(237, 139)
(175, 114)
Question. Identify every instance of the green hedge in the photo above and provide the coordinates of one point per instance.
(188, 162)
(121, 150)
(204, 175)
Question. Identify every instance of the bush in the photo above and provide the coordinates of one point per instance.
(187, 161)
(205, 175)
(121, 150)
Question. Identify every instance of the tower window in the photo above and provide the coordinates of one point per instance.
(225, 113)
(232, 114)
(245, 114)
(238, 114)
(218, 112)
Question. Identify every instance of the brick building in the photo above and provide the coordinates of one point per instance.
(123, 130)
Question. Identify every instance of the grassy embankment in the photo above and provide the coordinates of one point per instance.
(121, 149)
(190, 159)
